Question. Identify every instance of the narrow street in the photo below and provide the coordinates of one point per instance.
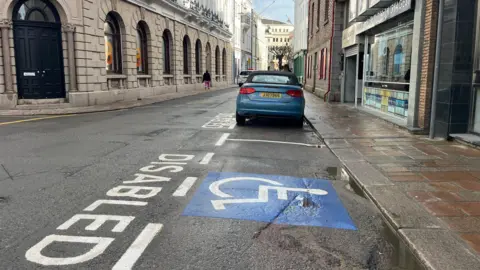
(142, 188)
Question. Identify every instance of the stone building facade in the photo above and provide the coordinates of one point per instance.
(325, 20)
(89, 52)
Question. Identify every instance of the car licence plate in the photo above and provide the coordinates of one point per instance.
(271, 95)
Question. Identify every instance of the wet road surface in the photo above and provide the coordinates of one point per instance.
(133, 189)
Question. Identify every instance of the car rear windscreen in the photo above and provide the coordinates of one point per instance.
(274, 78)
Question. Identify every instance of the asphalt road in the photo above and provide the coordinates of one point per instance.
(59, 177)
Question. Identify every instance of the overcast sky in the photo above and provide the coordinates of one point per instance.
(277, 11)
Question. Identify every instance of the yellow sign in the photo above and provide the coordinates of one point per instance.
(139, 57)
(108, 52)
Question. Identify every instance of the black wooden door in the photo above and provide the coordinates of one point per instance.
(39, 60)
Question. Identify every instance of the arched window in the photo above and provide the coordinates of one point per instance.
(208, 57)
(167, 52)
(217, 61)
(35, 10)
(142, 48)
(224, 62)
(113, 49)
(398, 60)
(198, 56)
(186, 55)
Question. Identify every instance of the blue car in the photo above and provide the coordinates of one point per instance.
(271, 94)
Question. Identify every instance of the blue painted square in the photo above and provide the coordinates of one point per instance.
(326, 210)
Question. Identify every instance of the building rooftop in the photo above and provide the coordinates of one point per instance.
(268, 21)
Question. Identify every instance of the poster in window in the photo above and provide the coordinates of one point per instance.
(109, 53)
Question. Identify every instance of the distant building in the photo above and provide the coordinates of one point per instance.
(242, 35)
(277, 33)
(300, 38)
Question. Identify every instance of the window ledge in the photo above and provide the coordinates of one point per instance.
(144, 76)
(116, 76)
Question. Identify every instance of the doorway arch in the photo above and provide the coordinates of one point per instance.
(38, 50)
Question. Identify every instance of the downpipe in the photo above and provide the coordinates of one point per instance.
(331, 54)
(438, 47)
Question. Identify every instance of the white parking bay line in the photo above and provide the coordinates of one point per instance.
(278, 142)
(133, 253)
(206, 159)
(222, 139)
(184, 187)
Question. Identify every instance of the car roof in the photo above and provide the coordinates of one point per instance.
(273, 72)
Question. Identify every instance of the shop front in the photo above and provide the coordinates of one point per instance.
(381, 45)
(387, 71)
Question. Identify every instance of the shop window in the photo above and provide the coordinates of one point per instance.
(113, 51)
(142, 49)
(397, 60)
(389, 56)
(385, 61)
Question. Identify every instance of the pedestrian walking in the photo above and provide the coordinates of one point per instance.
(207, 80)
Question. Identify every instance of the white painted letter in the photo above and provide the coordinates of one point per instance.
(151, 168)
(97, 203)
(34, 254)
(174, 157)
(132, 192)
(99, 220)
(147, 178)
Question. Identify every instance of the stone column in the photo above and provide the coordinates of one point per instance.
(5, 26)
(69, 29)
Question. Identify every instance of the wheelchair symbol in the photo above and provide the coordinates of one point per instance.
(282, 192)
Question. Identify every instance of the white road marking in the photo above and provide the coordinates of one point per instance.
(183, 189)
(97, 203)
(278, 142)
(34, 254)
(98, 220)
(133, 253)
(222, 120)
(222, 139)
(207, 158)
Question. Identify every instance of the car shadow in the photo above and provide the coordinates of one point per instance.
(274, 123)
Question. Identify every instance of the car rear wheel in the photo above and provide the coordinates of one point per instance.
(240, 120)
(299, 122)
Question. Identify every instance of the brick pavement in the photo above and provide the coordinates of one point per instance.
(442, 176)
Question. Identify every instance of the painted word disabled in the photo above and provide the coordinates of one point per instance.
(270, 198)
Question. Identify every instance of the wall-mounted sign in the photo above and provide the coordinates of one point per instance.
(349, 35)
(386, 14)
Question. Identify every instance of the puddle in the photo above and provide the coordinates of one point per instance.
(402, 258)
(3, 200)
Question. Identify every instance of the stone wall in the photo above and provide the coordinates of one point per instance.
(85, 19)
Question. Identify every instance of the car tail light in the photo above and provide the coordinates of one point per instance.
(246, 90)
(295, 93)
